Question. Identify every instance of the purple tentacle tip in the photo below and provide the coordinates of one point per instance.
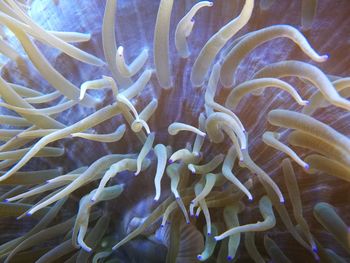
(161, 225)
(29, 214)
(306, 166)
(170, 161)
(216, 238)
(229, 258)
(209, 234)
(199, 257)
(6, 200)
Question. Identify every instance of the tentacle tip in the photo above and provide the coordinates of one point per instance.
(306, 166)
(315, 249)
(199, 257)
(282, 201)
(29, 213)
(250, 198)
(216, 238)
(188, 222)
(161, 225)
(170, 161)
(210, 4)
(209, 234)
(229, 258)
(6, 200)
(88, 249)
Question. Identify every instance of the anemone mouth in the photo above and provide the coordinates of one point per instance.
(233, 143)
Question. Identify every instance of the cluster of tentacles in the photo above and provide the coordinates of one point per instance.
(199, 184)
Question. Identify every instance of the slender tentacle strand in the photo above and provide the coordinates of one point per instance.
(332, 167)
(176, 127)
(44, 98)
(128, 71)
(45, 68)
(161, 43)
(198, 143)
(208, 167)
(53, 40)
(210, 94)
(144, 116)
(218, 118)
(184, 29)
(161, 153)
(231, 220)
(216, 42)
(247, 44)
(241, 90)
(317, 99)
(109, 42)
(75, 131)
(265, 207)
(308, 72)
(330, 220)
(308, 141)
(227, 171)
(308, 12)
(274, 251)
(294, 195)
(173, 172)
(249, 243)
(271, 139)
(309, 125)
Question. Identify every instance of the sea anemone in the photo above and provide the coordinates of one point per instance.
(177, 131)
